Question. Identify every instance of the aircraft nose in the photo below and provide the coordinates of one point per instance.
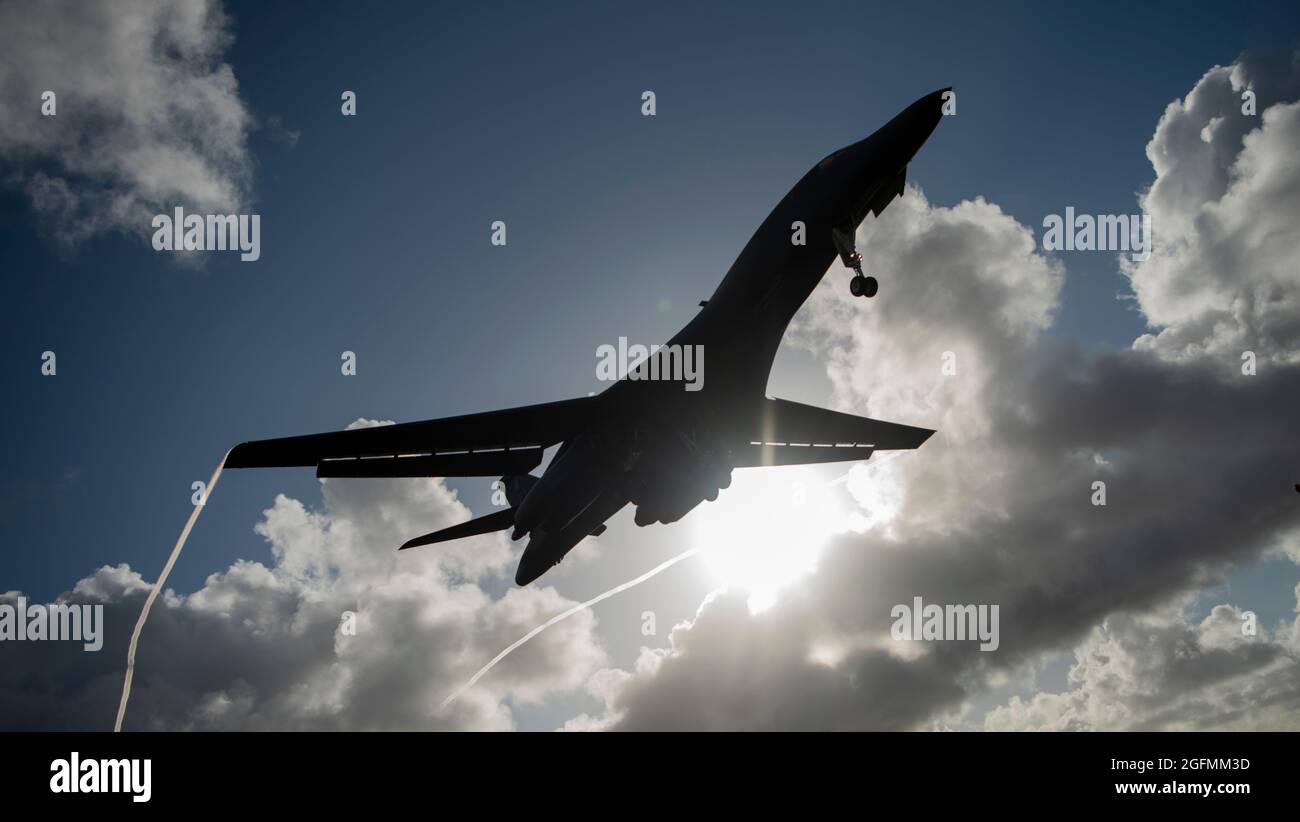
(914, 124)
(861, 166)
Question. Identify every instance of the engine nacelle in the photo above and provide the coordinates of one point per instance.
(517, 487)
(576, 477)
(669, 491)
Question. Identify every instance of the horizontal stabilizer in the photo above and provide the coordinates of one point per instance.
(496, 521)
(473, 464)
(791, 433)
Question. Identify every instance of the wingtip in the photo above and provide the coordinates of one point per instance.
(236, 456)
(416, 542)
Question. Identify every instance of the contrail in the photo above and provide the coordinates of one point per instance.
(583, 606)
(560, 617)
(157, 586)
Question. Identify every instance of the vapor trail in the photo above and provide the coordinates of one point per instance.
(561, 617)
(157, 586)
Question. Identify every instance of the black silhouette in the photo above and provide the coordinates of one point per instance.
(653, 443)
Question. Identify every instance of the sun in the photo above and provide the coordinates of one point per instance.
(769, 528)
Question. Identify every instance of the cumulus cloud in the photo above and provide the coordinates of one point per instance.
(1161, 671)
(1223, 278)
(1198, 462)
(263, 646)
(149, 115)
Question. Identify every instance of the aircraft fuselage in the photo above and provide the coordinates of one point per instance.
(655, 444)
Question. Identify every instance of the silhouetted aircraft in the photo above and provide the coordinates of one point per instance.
(648, 442)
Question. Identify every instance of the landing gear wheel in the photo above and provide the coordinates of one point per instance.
(861, 286)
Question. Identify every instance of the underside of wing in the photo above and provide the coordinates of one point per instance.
(486, 444)
(791, 433)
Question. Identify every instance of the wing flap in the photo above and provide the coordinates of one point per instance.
(767, 454)
(469, 464)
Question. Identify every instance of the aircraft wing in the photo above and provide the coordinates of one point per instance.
(485, 444)
(791, 433)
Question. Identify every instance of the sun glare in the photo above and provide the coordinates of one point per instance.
(768, 529)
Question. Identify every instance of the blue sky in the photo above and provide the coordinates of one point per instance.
(375, 228)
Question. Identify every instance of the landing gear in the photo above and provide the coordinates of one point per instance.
(861, 286)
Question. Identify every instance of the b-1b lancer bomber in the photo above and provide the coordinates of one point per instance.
(650, 443)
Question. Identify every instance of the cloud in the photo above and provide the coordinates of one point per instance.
(277, 132)
(148, 113)
(1223, 278)
(261, 646)
(1162, 672)
(1198, 461)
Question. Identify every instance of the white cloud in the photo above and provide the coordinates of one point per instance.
(996, 508)
(149, 115)
(966, 280)
(1162, 672)
(260, 646)
(1223, 277)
